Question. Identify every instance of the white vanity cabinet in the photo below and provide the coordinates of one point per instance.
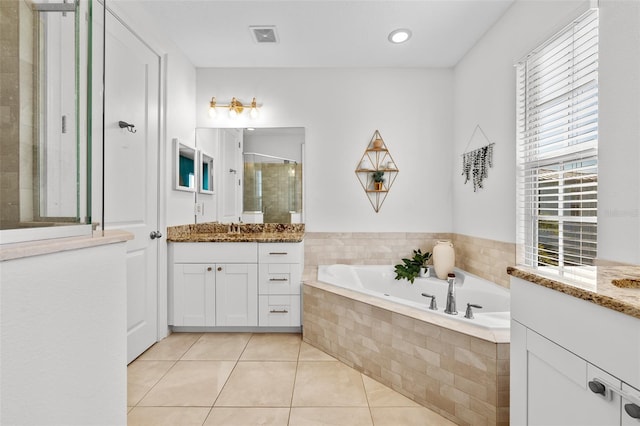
(279, 284)
(213, 284)
(572, 362)
(243, 284)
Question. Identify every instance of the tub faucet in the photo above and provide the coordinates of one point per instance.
(451, 295)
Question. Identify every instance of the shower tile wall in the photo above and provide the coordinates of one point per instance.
(281, 192)
(16, 109)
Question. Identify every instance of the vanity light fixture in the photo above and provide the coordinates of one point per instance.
(399, 36)
(235, 108)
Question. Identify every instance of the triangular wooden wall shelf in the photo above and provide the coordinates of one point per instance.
(376, 158)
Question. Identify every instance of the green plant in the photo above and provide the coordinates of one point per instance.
(378, 176)
(410, 268)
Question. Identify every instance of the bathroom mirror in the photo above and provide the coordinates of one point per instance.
(259, 172)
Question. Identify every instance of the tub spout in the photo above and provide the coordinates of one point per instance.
(451, 296)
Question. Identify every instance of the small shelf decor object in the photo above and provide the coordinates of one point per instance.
(376, 171)
(476, 163)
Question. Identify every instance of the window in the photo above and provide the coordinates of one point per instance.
(557, 124)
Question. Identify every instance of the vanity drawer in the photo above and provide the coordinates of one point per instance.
(279, 278)
(213, 252)
(279, 311)
(280, 252)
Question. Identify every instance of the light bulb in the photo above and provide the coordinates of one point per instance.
(254, 113)
(233, 113)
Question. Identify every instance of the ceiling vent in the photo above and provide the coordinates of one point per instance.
(264, 34)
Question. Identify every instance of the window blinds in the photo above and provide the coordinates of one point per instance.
(557, 155)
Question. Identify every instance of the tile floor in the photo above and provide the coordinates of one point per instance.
(258, 379)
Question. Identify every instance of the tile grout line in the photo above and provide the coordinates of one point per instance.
(165, 373)
(366, 395)
(228, 377)
(295, 377)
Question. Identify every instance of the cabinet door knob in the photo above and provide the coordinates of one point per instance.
(209, 269)
(219, 268)
(597, 387)
(632, 410)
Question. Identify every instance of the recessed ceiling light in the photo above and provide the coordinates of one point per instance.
(399, 36)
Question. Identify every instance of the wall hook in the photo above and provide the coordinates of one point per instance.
(129, 127)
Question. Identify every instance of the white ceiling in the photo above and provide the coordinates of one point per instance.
(324, 33)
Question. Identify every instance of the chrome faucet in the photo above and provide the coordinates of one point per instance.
(451, 295)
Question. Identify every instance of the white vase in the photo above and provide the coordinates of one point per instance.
(444, 258)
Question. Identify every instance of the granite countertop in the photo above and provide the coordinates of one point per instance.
(236, 233)
(612, 287)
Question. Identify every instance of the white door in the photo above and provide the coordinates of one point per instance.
(230, 198)
(131, 172)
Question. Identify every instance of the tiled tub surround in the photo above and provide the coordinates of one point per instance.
(462, 376)
(237, 232)
(487, 259)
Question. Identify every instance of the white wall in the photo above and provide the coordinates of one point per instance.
(64, 338)
(619, 139)
(484, 94)
(340, 109)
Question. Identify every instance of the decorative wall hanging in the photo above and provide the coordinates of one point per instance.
(476, 163)
(376, 171)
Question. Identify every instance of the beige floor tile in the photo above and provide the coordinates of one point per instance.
(311, 353)
(218, 346)
(172, 347)
(142, 376)
(380, 395)
(335, 416)
(227, 416)
(169, 416)
(259, 384)
(328, 384)
(272, 347)
(407, 416)
(190, 383)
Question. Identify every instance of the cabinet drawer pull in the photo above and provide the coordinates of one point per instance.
(278, 279)
(278, 311)
(632, 410)
(610, 389)
(278, 253)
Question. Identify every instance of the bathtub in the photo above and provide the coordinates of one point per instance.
(379, 281)
(384, 328)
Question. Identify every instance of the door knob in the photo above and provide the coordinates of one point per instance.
(155, 234)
